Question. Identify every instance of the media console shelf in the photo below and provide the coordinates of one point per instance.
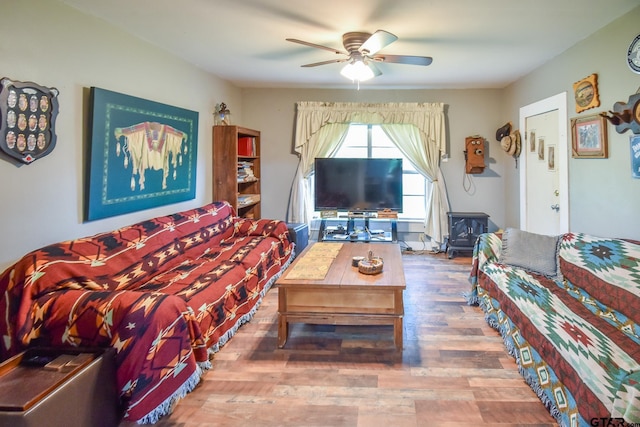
(358, 228)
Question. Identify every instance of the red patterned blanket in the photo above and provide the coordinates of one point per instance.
(165, 293)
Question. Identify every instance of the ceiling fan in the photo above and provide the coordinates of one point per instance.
(362, 54)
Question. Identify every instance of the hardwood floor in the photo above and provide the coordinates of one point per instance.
(454, 370)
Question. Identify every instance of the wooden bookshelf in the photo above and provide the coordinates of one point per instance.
(236, 168)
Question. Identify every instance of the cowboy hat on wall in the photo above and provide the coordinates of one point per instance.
(511, 143)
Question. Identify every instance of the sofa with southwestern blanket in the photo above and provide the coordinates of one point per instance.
(165, 293)
(568, 310)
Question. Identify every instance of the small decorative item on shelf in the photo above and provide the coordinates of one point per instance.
(222, 115)
(387, 213)
(370, 265)
(356, 260)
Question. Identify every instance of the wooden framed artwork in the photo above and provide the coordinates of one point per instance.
(27, 128)
(585, 92)
(589, 137)
(142, 154)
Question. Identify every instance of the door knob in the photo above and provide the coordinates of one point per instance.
(556, 193)
(555, 207)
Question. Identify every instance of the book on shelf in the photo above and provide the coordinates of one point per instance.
(246, 146)
(245, 172)
(247, 178)
(248, 199)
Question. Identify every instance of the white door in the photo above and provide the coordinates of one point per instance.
(544, 184)
(543, 192)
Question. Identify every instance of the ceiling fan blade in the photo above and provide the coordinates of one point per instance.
(377, 41)
(319, 46)
(376, 70)
(331, 61)
(404, 59)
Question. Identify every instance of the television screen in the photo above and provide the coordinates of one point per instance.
(358, 185)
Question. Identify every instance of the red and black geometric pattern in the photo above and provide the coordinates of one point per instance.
(163, 292)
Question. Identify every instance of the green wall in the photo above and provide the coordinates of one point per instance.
(604, 199)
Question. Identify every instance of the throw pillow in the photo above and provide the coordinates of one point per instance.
(537, 253)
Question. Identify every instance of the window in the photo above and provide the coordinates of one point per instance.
(370, 141)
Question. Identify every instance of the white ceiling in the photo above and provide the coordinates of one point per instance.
(474, 43)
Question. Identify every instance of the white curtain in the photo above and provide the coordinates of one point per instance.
(322, 143)
(425, 157)
(422, 138)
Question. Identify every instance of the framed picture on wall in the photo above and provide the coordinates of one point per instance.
(635, 156)
(585, 93)
(551, 157)
(532, 141)
(589, 137)
(142, 154)
(540, 148)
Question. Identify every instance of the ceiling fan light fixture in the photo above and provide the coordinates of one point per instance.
(357, 71)
(361, 54)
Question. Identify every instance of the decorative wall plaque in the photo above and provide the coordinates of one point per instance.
(27, 123)
(585, 93)
(625, 116)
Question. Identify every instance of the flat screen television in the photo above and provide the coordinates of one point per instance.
(358, 185)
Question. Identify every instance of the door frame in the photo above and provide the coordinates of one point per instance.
(556, 102)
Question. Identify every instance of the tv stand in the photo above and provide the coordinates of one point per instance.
(358, 214)
(358, 228)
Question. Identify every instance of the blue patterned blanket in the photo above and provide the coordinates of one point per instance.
(576, 340)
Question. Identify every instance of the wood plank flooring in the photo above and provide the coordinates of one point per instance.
(454, 370)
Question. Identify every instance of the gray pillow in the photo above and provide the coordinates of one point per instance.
(533, 252)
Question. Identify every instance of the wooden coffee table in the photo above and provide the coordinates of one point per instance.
(345, 296)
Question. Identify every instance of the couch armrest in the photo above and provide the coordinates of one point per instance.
(120, 319)
(158, 341)
(487, 249)
(261, 227)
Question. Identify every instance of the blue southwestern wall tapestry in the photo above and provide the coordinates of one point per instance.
(143, 154)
